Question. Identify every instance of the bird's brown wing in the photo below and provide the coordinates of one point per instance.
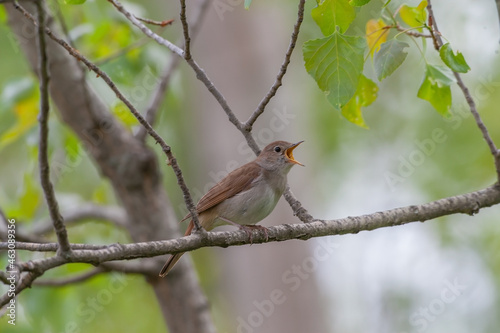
(235, 182)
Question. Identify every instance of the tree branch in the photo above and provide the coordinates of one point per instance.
(274, 88)
(185, 30)
(407, 31)
(469, 203)
(438, 42)
(48, 189)
(25, 282)
(162, 24)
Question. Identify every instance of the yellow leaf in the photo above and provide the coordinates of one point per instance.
(26, 113)
(28, 200)
(124, 115)
(375, 34)
(100, 194)
(415, 17)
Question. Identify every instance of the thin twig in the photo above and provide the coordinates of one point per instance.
(163, 23)
(166, 148)
(438, 42)
(48, 189)
(297, 208)
(278, 82)
(185, 30)
(408, 31)
(433, 29)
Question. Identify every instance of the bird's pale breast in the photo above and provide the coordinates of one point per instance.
(251, 206)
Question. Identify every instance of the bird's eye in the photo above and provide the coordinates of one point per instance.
(277, 149)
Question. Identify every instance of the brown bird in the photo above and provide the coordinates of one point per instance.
(246, 195)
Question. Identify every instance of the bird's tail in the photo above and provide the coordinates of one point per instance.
(170, 264)
(175, 258)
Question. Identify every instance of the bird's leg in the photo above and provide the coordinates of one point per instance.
(247, 228)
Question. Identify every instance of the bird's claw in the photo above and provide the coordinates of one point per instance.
(249, 228)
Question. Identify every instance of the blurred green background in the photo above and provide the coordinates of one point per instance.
(380, 281)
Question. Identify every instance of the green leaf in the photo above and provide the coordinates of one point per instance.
(358, 3)
(456, 62)
(365, 95)
(436, 88)
(389, 58)
(121, 111)
(3, 15)
(100, 194)
(72, 148)
(336, 63)
(247, 3)
(414, 16)
(332, 13)
(74, 2)
(28, 200)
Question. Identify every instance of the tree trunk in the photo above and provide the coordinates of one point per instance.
(131, 167)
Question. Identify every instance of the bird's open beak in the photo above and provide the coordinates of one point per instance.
(289, 153)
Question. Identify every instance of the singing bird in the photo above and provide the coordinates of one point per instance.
(246, 195)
